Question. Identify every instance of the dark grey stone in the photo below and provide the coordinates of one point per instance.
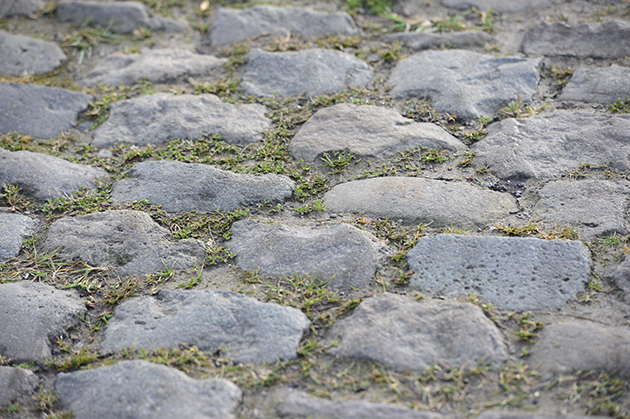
(465, 83)
(15, 382)
(234, 25)
(31, 314)
(422, 41)
(572, 345)
(186, 187)
(14, 228)
(308, 72)
(598, 40)
(621, 276)
(28, 8)
(129, 242)
(26, 55)
(549, 145)
(348, 255)
(243, 328)
(154, 119)
(599, 85)
(369, 131)
(420, 200)
(299, 405)
(594, 207)
(406, 334)
(144, 390)
(39, 111)
(120, 17)
(509, 6)
(157, 66)
(512, 273)
(45, 177)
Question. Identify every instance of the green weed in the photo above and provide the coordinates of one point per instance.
(620, 106)
(338, 162)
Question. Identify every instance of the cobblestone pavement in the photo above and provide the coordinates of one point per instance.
(334, 209)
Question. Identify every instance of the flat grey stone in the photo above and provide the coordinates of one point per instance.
(599, 85)
(33, 313)
(497, 5)
(368, 131)
(598, 40)
(127, 241)
(418, 200)
(406, 334)
(299, 405)
(15, 382)
(594, 207)
(422, 41)
(14, 228)
(45, 177)
(10, 8)
(465, 83)
(512, 273)
(341, 251)
(549, 145)
(527, 415)
(308, 72)
(26, 55)
(154, 119)
(144, 390)
(572, 345)
(39, 111)
(187, 187)
(156, 65)
(120, 17)
(236, 25)
(621, 276)
(242, 327)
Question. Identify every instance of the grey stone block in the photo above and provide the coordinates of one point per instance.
(26, 55)
(28, 8)
(512, 273)
(14, 228)
(598, 85)
(15, 382)
(460, 40)
(509, 6)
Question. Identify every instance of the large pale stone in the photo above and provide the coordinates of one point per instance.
(368, 131)
(26, 55)
(511, 273)
(405, 334)
(599, 85)
(243, 328)
(417, 200)
(15, 382)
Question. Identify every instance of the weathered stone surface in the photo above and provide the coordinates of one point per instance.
(526, 415)
(545, 146)
(154, 119)
(406, 334)
(568, 346)
(45, 177)
(368, 131)
(308, 72)
(599, 85)
(621, 276)
(299, 405)
(15, 382)
(234, 25)
(26, 55)
(341, 251)
(512, 273)
(120, 17)
(10, 8)
(31, 314)
(156, 65)
(186, 187)
(242, 327)
(420, 201)
(422, 41)
(465, 83)
(14, 228)
(598, 40)
(128, 241)
(39, 111)
(144, 390)
(594, 207)
(497, 5)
